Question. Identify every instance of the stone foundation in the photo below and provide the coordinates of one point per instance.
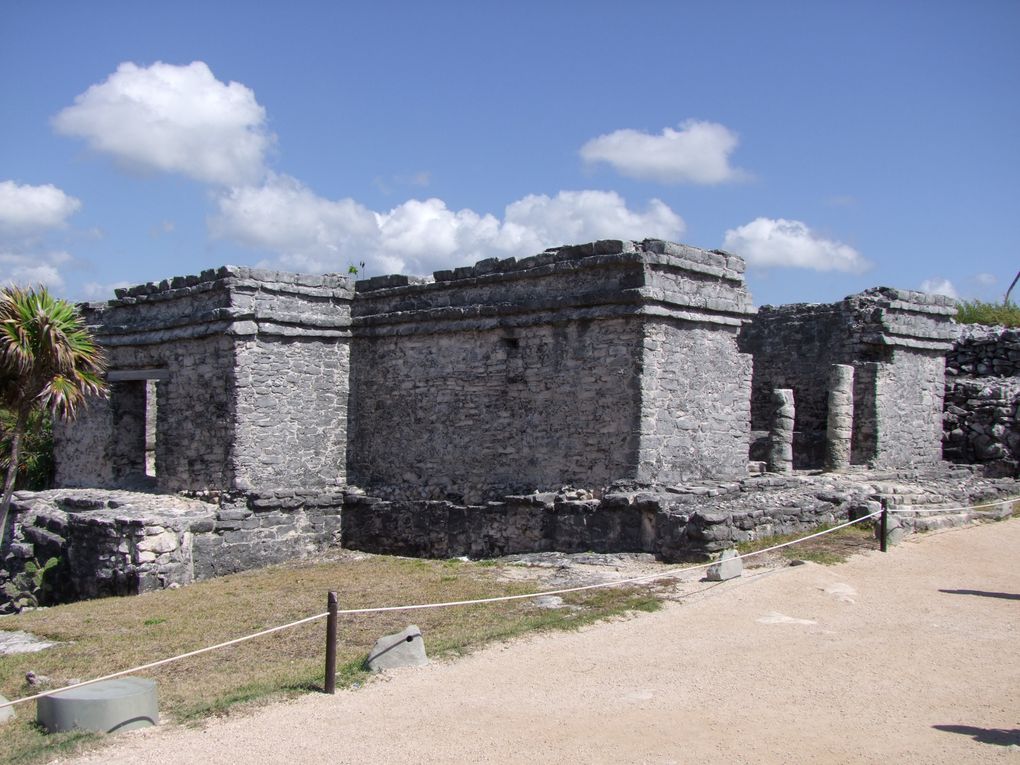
(125, 543)
(674, 523)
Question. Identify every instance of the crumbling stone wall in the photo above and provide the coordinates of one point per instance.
(514, 375)
(674, 523)
(125, 543)
(982, 399)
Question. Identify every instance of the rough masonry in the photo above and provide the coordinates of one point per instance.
(277, 414)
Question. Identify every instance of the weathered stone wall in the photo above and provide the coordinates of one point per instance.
(982, 423)
(910, 389)
(194, 424)
(695, 408)
(982, 351)
(521, 375)
(674, 523)
(125, 543)
(259, 529)
(485, 412)
(291, 412)
(982, 402)
(794, 346)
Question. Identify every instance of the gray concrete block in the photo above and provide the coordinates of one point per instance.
(6, 713)
(111, 706)
(728, 567)
(404, 649)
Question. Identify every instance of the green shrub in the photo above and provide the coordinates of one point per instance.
(35, 457)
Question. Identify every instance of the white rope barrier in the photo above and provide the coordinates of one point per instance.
(633, 580)
(161, 662)
(912, 509)
(383, 609)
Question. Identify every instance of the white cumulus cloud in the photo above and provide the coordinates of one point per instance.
(178, 119)
(313, 234)
(699, 152)
(768, 242)
(28, 210)
(986, 279)
(28, 269)
(939, 286)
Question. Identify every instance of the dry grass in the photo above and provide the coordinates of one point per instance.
(102, 636)
(827, 550)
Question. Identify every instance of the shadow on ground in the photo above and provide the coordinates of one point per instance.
(983, 594)
(997, 736)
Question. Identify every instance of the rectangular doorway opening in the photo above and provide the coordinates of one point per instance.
(134, 399)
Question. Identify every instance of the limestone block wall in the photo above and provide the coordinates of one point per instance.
(483, 412)
(695, 407)
(194, 424)
(291, 412)
(514, 376)
(908, 390)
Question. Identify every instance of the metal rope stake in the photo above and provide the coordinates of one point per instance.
(331, 619)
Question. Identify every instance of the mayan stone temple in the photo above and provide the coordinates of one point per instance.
(610, 396)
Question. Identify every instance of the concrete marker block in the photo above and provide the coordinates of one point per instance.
(403, 649)
(125, 703)
(7, 713)
(728, 567)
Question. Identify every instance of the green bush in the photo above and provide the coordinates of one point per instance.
(980, 312)
(35, 458)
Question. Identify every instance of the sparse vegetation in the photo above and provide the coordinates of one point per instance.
(35, 455)
(101, 636)
(980, 312)
(827, 550)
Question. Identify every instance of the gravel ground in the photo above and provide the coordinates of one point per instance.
(911, 656)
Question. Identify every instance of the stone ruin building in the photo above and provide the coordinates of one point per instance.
(268, 415)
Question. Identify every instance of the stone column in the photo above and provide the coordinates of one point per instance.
(781, 432)
(840, 426)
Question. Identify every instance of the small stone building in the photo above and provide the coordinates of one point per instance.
(582, 366)
(894, 340)
(232, 380)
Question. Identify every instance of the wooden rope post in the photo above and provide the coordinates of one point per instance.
(331, 619)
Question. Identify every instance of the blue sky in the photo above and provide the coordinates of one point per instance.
(835, 145)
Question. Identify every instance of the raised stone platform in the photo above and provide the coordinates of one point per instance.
(689, 521)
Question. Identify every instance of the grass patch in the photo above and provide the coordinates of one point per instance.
(980, 312)
(102, 636)
(828, 549)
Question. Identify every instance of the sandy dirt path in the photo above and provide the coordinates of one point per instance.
(912, 656)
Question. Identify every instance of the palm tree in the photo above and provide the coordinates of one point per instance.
(48, 360)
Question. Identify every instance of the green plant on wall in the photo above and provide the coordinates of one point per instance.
(31, 588)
